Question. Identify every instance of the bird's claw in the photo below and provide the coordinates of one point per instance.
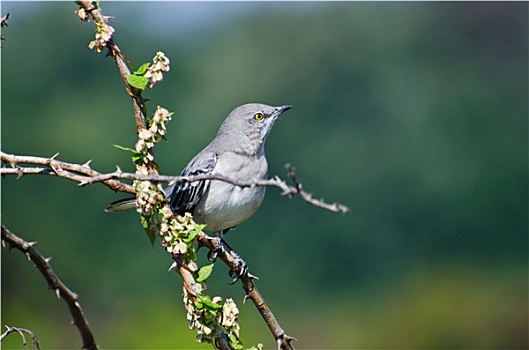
(223, 248)
(213, 255)
(235, 276)
(242, 273)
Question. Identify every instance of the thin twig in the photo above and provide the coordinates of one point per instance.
(55, 284)
(85, 175)
(34, 340)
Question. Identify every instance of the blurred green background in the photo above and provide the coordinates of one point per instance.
(413, 114)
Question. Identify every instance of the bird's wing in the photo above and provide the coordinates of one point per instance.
(183, 196)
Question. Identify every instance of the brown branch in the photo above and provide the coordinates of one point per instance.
(121, 62)
(238, 266)
(84, 175)
(54, 283)
(75, 172)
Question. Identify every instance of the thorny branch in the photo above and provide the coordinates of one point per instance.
(53, 167)
(85, 175)
(120, 59)
(236, 264)
(54, 283)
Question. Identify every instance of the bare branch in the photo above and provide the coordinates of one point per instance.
(34, 340)
(53, 167)
(55, 284)
(85, 175)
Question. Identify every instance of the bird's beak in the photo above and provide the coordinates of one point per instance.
(280, 110)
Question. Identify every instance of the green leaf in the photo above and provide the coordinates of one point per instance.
(150, 234)
(124, 148)
(135, 156)
(204, 272)
(138, 81)
(235, 342)
(199, 305)
(205, 301)
(198, 228)
(143, 69)
(191, 236)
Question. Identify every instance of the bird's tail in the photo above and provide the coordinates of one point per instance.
(121, 205)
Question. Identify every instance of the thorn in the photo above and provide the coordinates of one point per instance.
(118, 169)
(47, 260)
(284, 339)
(250, 276)
(173, 266)
(3, 243)
(54, 156)
(87, 164)
(28, 256)
(20, 172)
(58, 293)
(31, 244)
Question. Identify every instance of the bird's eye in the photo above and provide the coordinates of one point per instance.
(258, 116)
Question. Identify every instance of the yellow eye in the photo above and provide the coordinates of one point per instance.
(258, 116)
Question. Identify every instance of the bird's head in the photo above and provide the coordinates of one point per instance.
(254, 120)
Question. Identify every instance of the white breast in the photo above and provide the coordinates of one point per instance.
(225, 205)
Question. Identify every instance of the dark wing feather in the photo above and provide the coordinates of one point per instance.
(183, 196)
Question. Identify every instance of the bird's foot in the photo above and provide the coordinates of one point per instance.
(222, 248)
(219, 249)
(242, 271)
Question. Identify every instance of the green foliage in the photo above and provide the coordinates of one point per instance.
(136, 156)
(205, 303)
(204, 272)
(138, 79)
(145, 223)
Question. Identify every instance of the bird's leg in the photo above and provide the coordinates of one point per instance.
(243, 267)
(220, 245)
(224, 248)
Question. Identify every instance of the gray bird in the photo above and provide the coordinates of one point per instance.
(237, 152)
